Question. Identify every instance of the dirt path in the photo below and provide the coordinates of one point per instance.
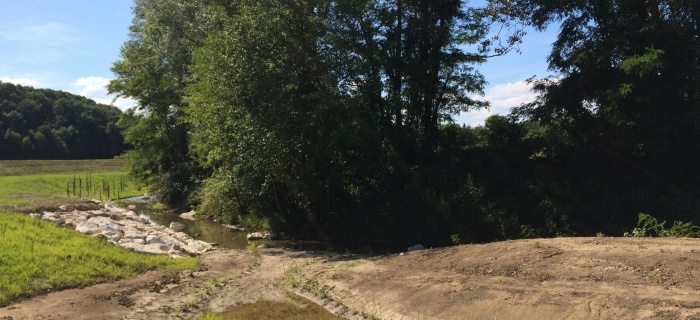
(564, 278)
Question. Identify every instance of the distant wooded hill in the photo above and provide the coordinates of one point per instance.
(50, 124)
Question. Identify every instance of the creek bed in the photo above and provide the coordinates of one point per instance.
(204, 230)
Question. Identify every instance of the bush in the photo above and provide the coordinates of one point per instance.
(648, 226)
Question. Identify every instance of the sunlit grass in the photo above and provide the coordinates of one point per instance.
(25, 189)
(38, 256)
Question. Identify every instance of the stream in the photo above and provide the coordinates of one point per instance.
(224, 237)
(204, 230)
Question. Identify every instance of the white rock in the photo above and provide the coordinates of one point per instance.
(87, 227)
(154, 239)
(50, 216)
(105, 224)
(255, 236)
(131, 207)
(182, 237)
(129, 223)
(135, 234)
(112, 235)
(147, 248)
(197, 247)
(188, 215)
(131, 240)
(177, 226)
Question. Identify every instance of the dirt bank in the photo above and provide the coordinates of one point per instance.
(564, 278)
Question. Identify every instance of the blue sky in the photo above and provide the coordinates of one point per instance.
(71, 44)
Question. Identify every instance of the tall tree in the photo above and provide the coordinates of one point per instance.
(626, 107)
(153, 69)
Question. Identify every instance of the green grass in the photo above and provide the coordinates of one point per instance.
(28, 188)
(30, 182)
(38, 256)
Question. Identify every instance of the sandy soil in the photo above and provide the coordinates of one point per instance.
(563, 278)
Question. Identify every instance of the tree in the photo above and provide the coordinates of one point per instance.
(625, 108)
(153, 69)
(67, 126)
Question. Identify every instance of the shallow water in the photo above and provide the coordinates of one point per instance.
(204, 230)
(212, 232)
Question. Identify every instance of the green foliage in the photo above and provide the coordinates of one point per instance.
(648, 226)
(153, 69)
(455, 239)
(49, 124)
(38, 256)
(332, 119)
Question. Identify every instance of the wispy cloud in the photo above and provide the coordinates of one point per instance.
(48, 34)
(21, 81)
(502, 98)
(95, 88)
(36, 45)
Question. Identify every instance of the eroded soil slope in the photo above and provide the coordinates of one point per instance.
(564, 278)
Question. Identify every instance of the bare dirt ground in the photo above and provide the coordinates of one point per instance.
(563, 278)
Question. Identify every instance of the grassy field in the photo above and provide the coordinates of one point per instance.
(36, 181)
(38, 256)
(34, 167)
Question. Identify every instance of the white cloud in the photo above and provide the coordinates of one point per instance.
(502, 98)
(95, 88)
(48, 34)
(21, 81)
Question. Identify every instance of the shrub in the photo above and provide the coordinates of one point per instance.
(648, 226)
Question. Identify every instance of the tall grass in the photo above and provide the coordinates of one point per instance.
(22, 189)
(38, 256)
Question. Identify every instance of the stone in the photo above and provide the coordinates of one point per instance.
(197, 247)
(87, 227)
(105, 224)
(135, 234)
(188, 215)
(131, 207)
(154, 248)
(35, 215)
(416, 248)
(112, 235)
(130, 223)
(131, 240)
(182, 237)
(154, 239)
(177, 226)
(255, 236)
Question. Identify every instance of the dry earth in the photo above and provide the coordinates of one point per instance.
(563, 278)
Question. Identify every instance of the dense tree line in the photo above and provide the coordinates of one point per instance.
(50, 124)
(333, 119)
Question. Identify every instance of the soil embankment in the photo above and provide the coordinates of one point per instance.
(563, 278)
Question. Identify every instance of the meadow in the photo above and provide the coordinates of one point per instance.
(38, 256)
(33, 182)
